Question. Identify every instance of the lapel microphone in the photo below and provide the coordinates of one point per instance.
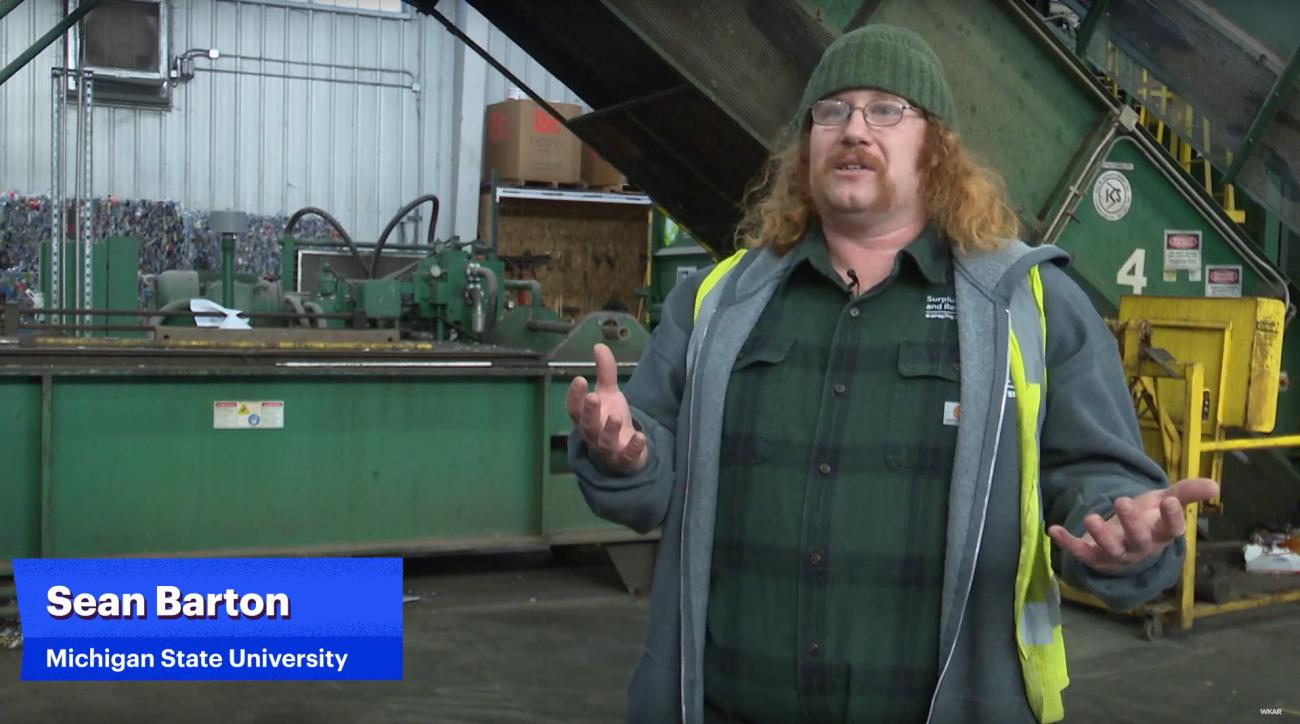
(853, 281)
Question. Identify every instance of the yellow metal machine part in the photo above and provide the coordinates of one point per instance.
(1237, 341)
(1197, 368)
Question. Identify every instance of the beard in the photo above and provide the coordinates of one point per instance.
(823, 198)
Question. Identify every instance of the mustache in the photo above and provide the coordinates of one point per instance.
(857, 156)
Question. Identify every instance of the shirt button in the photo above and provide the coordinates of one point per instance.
(854, 312)
(839, 389)
(824, 468)
(815, 558)
(814, 648)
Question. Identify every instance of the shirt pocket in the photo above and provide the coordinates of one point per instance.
(761, 350)
(923, 409)
(757, 415)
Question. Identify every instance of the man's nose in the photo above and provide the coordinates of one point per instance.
(857, 130)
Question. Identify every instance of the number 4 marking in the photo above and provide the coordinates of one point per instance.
(1133, 272)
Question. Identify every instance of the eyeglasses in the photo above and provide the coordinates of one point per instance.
(881, 114)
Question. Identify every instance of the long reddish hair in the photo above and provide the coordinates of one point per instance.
(965, 200)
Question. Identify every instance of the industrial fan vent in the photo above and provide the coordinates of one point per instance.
(125, 35)
(125, 43)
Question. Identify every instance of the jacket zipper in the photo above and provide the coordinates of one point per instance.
(979, 537)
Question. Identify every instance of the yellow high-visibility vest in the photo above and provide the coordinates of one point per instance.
(1037, 597)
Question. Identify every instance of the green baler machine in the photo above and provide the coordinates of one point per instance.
(411, 411)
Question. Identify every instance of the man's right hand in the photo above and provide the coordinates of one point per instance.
(603, 419)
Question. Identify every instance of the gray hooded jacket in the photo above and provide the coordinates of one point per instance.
(1091, 453)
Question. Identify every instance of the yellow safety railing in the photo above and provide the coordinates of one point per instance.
(1156, 96)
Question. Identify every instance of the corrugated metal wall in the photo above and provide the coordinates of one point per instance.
(354, 113)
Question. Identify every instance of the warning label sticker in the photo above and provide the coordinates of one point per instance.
(1182, 253)
(246, 415)
(1222, 280)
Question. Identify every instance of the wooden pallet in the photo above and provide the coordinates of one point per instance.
(529, 184)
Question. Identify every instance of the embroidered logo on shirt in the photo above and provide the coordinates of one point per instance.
(940, 307)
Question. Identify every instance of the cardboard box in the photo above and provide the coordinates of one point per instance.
(597, 172)
(523, 142)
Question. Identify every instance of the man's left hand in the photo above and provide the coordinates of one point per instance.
(1140, 528)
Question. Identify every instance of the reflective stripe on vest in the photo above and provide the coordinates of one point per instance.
(1037, 598)
(1037, 602)
(705, 302)
(712, 278)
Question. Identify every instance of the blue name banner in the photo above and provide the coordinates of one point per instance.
(244, 619)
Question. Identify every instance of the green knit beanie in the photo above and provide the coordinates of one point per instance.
(886, 57)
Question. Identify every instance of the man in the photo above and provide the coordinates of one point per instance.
(858, 435)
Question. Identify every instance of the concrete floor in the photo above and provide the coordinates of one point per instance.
(542, 638)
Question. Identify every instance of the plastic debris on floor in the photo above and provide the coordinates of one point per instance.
(1273, 553)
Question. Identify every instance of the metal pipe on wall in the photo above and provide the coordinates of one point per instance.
(262, 61)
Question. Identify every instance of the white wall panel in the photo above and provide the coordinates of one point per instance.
(354, 113)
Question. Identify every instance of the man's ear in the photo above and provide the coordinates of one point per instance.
(933, 150)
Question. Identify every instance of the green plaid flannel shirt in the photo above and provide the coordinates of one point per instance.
(837, 447)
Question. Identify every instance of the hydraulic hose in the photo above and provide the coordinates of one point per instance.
(397, 219)
(306, 210)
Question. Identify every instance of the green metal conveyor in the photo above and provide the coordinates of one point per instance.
(699, 93)
(688, 98)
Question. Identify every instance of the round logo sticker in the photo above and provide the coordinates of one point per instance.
(1111, 195)
(254, 420)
